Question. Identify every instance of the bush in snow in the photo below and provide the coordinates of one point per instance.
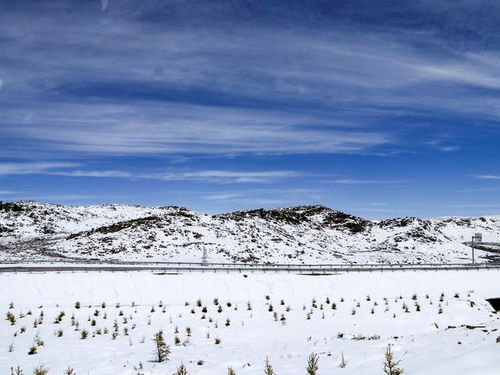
(181, 370)
(40, 370)
(11, 318)
(268, 368)
(312, 364)
(162, 350)
(16, 371)
(390, 364)
(230, 371)
(32, 350)
(343, 361)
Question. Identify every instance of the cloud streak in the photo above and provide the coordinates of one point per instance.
(33, 168)
(350, 181)
(257, 90)
(215, 176)
(488, 177)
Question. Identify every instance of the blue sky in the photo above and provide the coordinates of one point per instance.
(376, 108)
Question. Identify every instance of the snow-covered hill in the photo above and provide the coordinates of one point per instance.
(304, 234)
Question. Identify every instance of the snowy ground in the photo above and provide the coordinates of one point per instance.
(423, 340)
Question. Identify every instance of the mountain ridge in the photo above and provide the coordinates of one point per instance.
(31, 230)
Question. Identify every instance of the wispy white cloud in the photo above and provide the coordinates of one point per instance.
(151, 128)
(104, 5)
(266, 197)
(488, 177)
(33, 168)
(475, 205)
(271, 192)
(230, 176)
(219, 176)
(479, 190)
(350, 181)
(97, 174)
(362, 78)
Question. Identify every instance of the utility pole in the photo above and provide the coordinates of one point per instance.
(204, 257)
(472, 247)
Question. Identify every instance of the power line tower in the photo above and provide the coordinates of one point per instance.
(204, 257)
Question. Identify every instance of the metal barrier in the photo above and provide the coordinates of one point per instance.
(232, 267)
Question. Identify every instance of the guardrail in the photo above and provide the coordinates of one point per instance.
(216, 267)
(243, 265)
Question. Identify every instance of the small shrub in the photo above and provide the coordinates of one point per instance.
(181, 370)
(217, 341)
(391, 365)
(40, 370)
(39, 341)
(16, 371)
(161, 348)
(343, 361)
(312, 364)
(268, 368)
(11, 318)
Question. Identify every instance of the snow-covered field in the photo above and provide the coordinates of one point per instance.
(369, 314)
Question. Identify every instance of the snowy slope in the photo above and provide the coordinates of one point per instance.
(304, 234)
(437, 322)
